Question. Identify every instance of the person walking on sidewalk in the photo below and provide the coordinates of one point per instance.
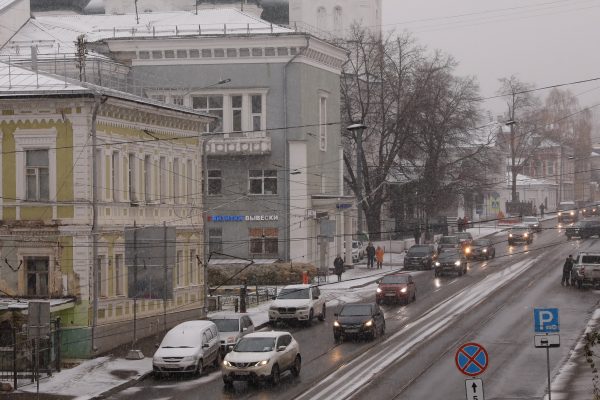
(370, 255)
(338, 267)
(542, 208)
(379, 257)
(417, 234)
(567, 267)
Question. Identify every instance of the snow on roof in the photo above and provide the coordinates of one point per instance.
(7, 303)
(176, 23)
(524, 180)
(16, 80)
(6, 3)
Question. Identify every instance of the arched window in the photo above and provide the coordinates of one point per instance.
(321, 19)
(338, 22)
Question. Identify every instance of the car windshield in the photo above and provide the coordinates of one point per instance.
(355, 310)
(448, 255)
(530, 219)
(567, 206)
(449, 240)
(294, 293)
(355, 245)
(255, 345)
(464, 235)
(181, 339)
(227, 325)
(394, 279)
(481, 242)
(419, 251)
(520, 230)
(590, 260)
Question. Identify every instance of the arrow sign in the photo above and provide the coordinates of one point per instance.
(474, 389)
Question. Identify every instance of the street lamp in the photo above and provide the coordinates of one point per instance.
(358, 128)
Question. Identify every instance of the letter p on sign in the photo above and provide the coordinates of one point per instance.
(545, 320)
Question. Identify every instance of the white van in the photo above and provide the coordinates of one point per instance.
(188, 347)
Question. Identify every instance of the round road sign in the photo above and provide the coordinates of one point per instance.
(471, 359)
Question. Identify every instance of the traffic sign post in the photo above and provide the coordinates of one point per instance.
(474, 389)
(471, 359)
(545, 320)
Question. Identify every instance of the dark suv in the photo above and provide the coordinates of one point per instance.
(583, 229)
(420, 256)
(448, 242)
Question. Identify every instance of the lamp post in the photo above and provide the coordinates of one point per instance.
(358, 128)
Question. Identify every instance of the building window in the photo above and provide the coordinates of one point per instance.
(37, 269)
(190, 181)
(321, 19)
(37, 169)
(176, 180)
(257, 52)
(181, 53)
(256, 100)
(264, 241)
(219, 52)
(338, 23)
(169, 54)
(102, 277)
(262, 181)
(177, 100)
(163, 179)
(192, 274)
(157, 54)
(132, 180)
(159, 97)
(550, 168)
(215, 240)
(179, 268)
(194, 53)
(323, 123)
(115, 173)
(236, 113)
(212, 105)
(215, 182)
(148, 179)
(119, 275)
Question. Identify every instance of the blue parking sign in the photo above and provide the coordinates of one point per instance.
(545, 320)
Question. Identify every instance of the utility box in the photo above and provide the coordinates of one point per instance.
(38, 319)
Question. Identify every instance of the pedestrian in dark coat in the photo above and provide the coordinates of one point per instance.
(460, 222)
(542, 208)
(417, 234)
(338, 267)
(567, 267)
(370, 255)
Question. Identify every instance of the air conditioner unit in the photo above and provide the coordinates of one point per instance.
(311, 214)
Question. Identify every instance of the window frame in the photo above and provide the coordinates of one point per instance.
(38, 196)
(37, 139)
(263, 178)
(26, 260)
(215, 180)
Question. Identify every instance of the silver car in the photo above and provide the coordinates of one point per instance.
(231, 329)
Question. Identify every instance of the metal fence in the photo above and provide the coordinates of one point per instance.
(254, 296)
(23, 359)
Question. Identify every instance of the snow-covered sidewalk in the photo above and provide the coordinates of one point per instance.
(104, 375)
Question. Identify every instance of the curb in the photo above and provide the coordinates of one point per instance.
(123, 386)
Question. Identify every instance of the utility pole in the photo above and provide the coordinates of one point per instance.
(165, 277)
(560, 175)
(137, 17)
(135, 284)
(358, 128)
(95, 277)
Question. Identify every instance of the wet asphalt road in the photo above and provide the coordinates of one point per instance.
(425, 368)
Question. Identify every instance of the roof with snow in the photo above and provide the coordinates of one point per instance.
(6, 3)
(524, 180)
(56, 34)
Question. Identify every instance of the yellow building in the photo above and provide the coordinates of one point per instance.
(148, 172)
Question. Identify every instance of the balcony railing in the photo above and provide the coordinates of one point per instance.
(246, 144)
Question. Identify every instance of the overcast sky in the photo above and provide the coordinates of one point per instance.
(542, 42)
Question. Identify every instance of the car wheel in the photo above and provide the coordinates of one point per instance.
(217, 362)
(199, 368)
(297, 365)
(323, 314)
(337, 338)
(275, 376)
(311, 315)
(414, 298)
(383, 329)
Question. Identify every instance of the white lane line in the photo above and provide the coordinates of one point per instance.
(357, 373)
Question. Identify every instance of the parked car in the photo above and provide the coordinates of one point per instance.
(297, 302)
(360, 248)
(188, 347)
(448, 242)
(482, 249)
(583, 229)
(586, 269)
(451, 261)
(567, 212)
(533, 223)
(420, 256)
(396, 288)
(355, 252)
(520, 233)
(231, 329)
(262, 356)
(358, 320)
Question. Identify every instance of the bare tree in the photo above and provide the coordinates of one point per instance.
(523, 115)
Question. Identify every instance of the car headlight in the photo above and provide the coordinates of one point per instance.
(188, 358)
(378, 290)
(336, 324)
(303, 308)
(467, 250)
(559, 213)
(525, 234)
(261, 363)
(226, 363)
(484, 250)
(403, 290)
(369, 323)
(510, 235)
(437, 263)
(273, 308)
(457, 263)
(156, 359)
(572, 213)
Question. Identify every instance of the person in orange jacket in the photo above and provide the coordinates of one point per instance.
(379, 257)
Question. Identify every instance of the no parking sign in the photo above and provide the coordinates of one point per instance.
(471, 359)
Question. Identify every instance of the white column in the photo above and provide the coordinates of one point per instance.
(299, 203)
(348, 236)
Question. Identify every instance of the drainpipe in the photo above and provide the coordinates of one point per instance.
(286, 160)
(95, 283)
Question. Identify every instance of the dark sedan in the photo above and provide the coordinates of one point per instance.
(583, 229)
(520, 233)
(358, 320)
(420, 256)
(482, 249)
(451, 261)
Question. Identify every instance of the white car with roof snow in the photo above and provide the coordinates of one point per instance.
(299, 303)
(262, 356)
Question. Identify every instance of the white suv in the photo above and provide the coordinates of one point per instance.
(297, 302)
(262, 356)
